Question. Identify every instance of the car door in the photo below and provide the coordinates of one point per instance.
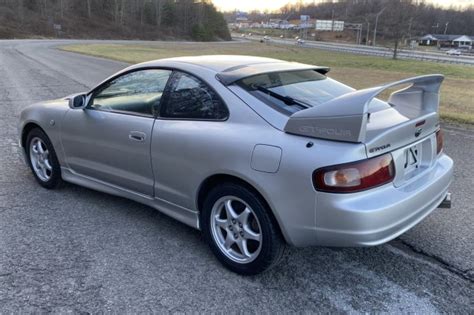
(180, 150)
(110, 139)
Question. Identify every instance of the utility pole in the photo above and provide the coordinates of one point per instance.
(368, 32)
(332, 21)
(446, 27)
(376, 23)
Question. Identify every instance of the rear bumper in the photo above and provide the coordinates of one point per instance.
(376, 217)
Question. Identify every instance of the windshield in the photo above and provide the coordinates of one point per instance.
(292, 91)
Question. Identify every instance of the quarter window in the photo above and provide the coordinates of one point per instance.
(191, 98)
(137, 92)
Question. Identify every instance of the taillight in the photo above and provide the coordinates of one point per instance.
(356, 176)
(439, 141)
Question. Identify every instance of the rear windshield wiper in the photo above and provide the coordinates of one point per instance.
(285, 99)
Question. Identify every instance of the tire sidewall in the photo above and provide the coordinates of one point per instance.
(55, 179)
(270, 237)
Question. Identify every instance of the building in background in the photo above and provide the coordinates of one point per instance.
(446, 40)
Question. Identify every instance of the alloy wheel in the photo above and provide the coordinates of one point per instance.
(40, 159)
(236, 229)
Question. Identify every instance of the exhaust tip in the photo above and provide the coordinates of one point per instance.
(446, 203)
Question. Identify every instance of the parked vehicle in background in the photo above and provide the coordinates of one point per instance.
(453, 52)
(255, 152)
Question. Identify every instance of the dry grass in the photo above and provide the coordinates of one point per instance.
(457, 94)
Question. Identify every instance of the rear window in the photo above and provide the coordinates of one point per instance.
(292, 91)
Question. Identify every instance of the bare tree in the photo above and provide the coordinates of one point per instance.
(122, 12)
(61, 8)
(158, 11)
(89, 8)
(20, 11)
(116, 11)
(397, 22)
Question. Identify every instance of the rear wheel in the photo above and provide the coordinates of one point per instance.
(42, 159)
(240, 231)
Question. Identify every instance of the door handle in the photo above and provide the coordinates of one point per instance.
(137, 136)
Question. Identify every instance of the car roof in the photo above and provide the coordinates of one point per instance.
(217, 63)
(230, 68)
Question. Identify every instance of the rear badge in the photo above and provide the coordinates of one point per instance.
(383, 147)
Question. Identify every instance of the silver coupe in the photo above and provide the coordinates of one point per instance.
(257, 153)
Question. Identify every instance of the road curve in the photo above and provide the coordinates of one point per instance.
(77, 250)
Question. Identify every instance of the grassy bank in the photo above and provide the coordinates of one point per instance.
(457, 94)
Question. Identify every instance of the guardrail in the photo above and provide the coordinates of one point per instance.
(370, 51)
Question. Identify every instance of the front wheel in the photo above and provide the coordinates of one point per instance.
(240, 230)
(42, 159)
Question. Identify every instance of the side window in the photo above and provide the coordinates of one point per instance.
(137, 92)
(191, 98)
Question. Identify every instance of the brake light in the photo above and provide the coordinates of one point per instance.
(356, 176)
(439, 141)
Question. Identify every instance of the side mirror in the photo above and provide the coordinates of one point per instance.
(77, 101)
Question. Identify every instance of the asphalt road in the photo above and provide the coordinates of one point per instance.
(77, 250)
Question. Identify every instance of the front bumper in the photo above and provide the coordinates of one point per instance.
(377, 216)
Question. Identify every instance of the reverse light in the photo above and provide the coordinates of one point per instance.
(356, 176)
(439, 141)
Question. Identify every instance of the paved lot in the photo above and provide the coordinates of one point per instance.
(78, 250)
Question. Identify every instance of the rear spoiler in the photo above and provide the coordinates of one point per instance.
(348, 117)
(234, 74)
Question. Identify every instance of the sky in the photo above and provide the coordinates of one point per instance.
(247, 5)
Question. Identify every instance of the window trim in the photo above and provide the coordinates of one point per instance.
(92, 93)
(169, 87)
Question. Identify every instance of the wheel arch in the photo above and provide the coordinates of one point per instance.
(26, 130)
(216, 179)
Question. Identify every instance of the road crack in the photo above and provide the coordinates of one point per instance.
(404, 246)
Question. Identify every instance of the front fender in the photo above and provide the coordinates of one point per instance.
(48, 116)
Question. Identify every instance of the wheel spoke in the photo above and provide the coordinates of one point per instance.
(221, 222)
(39, 167)
(229, 210)
(229, 240)
(251, 235)
(244, 216)
(45, 172)
(242, 244)
(40, 147)
(34, 148)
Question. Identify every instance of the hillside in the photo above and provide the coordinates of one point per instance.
(112, 19)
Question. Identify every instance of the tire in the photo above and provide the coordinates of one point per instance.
(42, 159)
(253, 242)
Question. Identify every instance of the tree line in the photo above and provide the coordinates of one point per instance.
(411, 17)
(140, 19)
